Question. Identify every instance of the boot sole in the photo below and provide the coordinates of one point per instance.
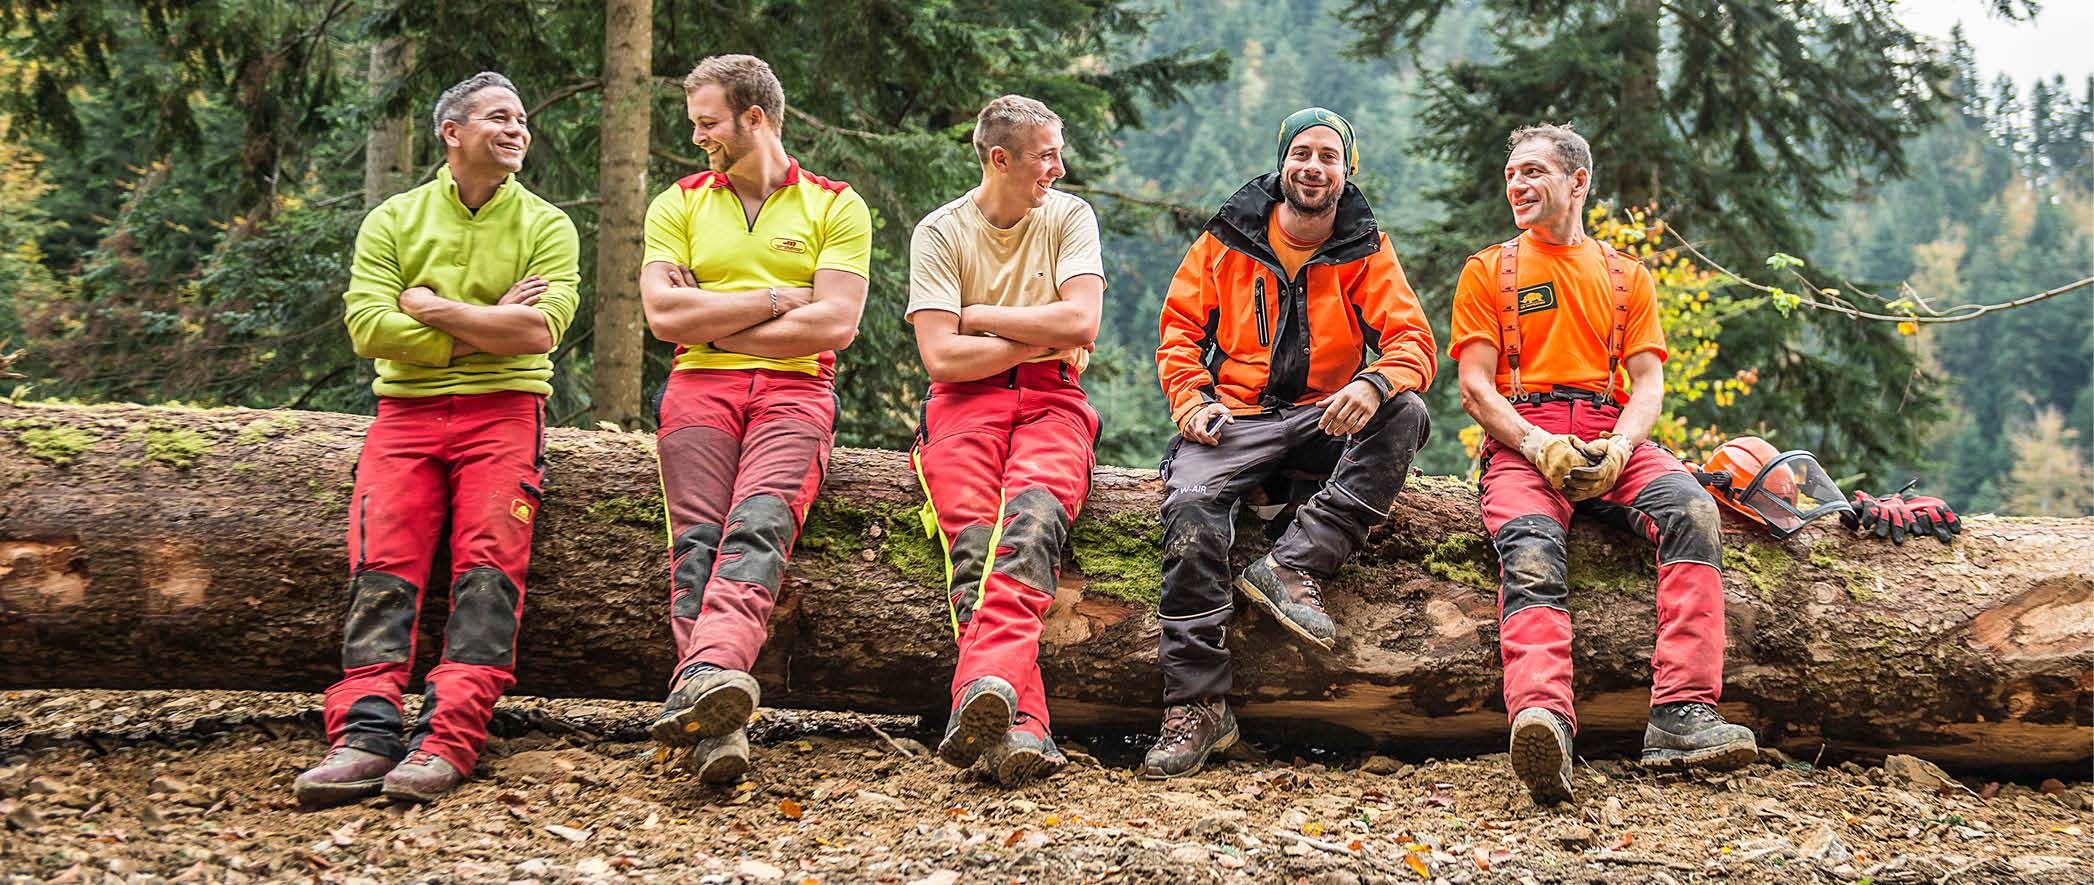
(1221, 745)
(1258, 598)
(1021, 766)
(725, 768)
(1725, 757)
(983, 718)
(410, 794)
(1537, 758)
(721, 709)
(330, 795)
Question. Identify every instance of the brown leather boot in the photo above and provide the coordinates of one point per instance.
(1023, 756)
(1292, 596)
(706, 702)
(422, 778)
(345, 774)
(721, 760)
(1191, 733)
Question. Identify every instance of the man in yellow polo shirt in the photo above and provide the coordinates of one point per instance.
(458, 290)
(756, 269)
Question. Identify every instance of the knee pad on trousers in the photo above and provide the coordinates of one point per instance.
(752, 550)
(380, 626)
(1532, 565)
(1690, 529)
(970, 550)
(482, 629)
(1034, 528)
(694, 552)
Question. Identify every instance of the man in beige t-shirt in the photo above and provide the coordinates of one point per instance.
(1005, 285)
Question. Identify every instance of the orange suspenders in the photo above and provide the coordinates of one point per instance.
(1509, 311)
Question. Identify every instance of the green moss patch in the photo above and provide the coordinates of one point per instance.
(56, 446)
(1860, 581)
(644, 511)
(835, 530)
(1764, 566)
(1121, 556)
(1465, 558)
(177, 447)
(266, 429)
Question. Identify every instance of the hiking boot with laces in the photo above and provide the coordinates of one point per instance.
(1290, 595)
(721, 760)
(345, 774)
(422, 778)
(1191, 733)
(1023, 756)
(1688, 734)
(979, 722)
(1541, 755)
(704, 702)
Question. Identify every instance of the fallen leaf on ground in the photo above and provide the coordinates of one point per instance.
(1417, 865)
(789, 808)
(571, 834)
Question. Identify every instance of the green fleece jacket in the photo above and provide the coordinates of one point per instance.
(426, 237)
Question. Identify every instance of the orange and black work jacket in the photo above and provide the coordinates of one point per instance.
(1236, 330)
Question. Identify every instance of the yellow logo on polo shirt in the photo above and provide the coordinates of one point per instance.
(788, 244)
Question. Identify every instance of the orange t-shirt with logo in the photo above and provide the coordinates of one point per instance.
(1566, 306)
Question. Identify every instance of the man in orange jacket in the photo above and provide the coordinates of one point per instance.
(1544, 324)
(1291, 343)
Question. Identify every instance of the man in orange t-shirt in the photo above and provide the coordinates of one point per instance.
(1544, 325)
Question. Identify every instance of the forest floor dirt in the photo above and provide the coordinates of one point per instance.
(128, 787)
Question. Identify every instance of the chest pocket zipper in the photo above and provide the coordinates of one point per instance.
(1258, 306)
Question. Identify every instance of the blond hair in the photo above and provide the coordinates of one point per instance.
(1002, 120)
(747, 81)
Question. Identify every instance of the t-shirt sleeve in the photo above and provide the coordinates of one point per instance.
(934, 273)
(1475, 314)
(847, 237)
(668, 233)
(1644, 333)
(1078, 252)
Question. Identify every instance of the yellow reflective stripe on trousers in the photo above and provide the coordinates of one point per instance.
(931, 529)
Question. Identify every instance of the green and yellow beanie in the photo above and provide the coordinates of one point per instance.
(1302, 119)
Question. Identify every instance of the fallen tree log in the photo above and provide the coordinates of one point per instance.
(152, 547)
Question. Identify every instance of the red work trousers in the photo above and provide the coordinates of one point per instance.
(1006, 463)
(1655, 497)
(742, 453)
(476, 460)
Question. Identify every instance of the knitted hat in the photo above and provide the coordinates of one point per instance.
(1301, 120)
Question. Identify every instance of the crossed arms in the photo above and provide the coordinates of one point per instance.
(796, 321)
(984, 339)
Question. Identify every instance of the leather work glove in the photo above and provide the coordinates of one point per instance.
(1886, 517)
(1932, 516)
(1554, 454)
(1599, 478)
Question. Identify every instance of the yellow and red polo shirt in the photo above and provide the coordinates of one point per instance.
(809, 223)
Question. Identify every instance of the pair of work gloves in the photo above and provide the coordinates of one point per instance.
(1583, 469)
(1897, 515)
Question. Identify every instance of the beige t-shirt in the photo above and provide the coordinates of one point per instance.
(956, 258)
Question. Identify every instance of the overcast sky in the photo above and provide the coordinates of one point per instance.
(2055, 42)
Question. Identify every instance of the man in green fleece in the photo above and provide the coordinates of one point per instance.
(459, 290)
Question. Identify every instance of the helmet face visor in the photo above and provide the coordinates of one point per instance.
(1792, 490)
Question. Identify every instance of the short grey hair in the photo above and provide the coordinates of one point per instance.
(1000, 122)
(1572, 153)
(456, 102)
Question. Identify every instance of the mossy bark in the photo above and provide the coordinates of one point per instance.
(121, 569)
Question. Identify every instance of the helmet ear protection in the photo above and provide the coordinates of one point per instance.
(1783, 491)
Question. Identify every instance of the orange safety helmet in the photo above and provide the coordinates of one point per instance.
(1780, 490)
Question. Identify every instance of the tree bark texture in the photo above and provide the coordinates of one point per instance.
(151, 547)
(620, 331)
(389, 153)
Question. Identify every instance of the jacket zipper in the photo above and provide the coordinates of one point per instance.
(1258, 304)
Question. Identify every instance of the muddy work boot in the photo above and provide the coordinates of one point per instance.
(422, 778)
(705, 702)
(979, 722)
(1292, 597)
(1541, 755)
(1191, 733)
(1023, 756)
(721, 760)
(1687, 734)
(345, 774)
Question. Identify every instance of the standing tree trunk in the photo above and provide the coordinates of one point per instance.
(1639, 121)
(628, 53)
(390, 151)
